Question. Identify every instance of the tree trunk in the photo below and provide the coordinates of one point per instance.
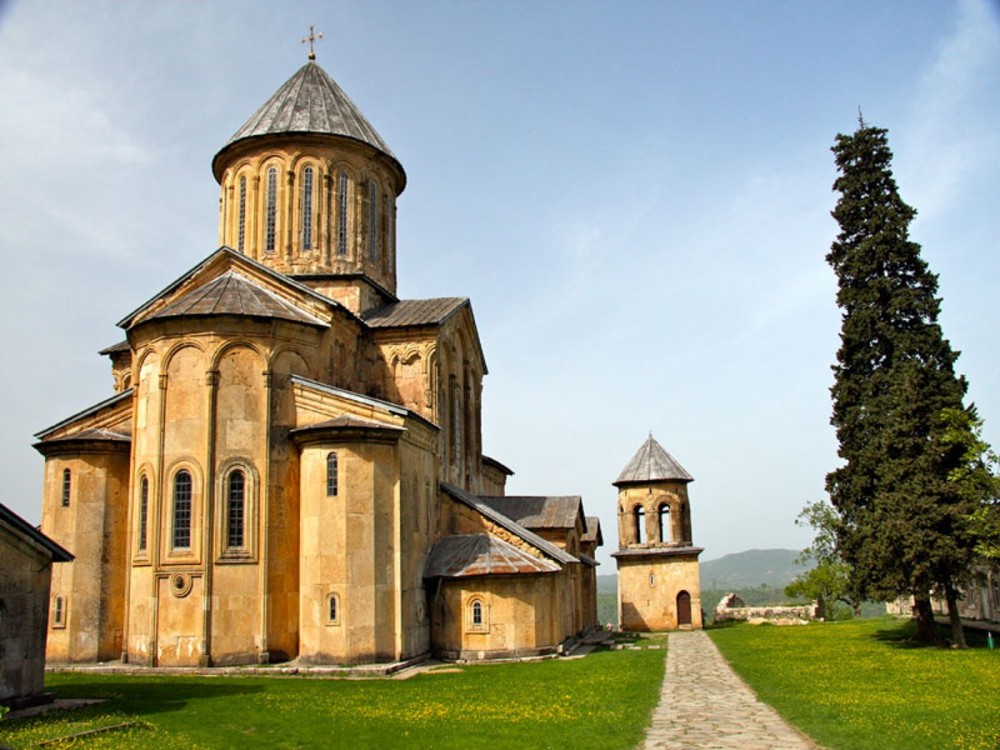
(924, 616)
(957, 633)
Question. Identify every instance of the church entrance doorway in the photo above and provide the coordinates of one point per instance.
(683, 608)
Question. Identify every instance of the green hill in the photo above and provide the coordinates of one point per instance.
(757, 567)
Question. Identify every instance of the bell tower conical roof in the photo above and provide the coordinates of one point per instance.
(652, 463)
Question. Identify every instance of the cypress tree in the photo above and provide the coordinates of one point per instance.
(897, 403)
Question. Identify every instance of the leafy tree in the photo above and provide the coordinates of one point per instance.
(904, 523)
(828, 580)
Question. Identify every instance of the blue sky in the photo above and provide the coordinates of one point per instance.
(635, 196)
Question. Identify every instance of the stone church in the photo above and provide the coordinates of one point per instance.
(291, 463)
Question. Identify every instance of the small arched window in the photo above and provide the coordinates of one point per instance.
(477, 613)
(235, 509)
(182, 511)
(390, 242)
(639, 524)
(333, 609)
(271, 216)
(59, 612)
(331, 474)
(342, 214)
(307, 208)
(241, 237)
(143, 511)
(663, 520)
(66, 486)
(373, 235)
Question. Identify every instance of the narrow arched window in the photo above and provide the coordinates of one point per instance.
(390, 243)
(331, 474)
(457, 422)
(59, 612)
(272, 209)
(342, 215)
(373, 249)
(664, 522)
(143, 511)
(66, 486)
(235, 509)
(332, 608)
(182, 511)
(307, 208)
(477, 613)
(241, 238)
(639, 519)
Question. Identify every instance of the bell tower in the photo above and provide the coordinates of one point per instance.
(659, 586)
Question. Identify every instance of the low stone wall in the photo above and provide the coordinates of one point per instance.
(732, 609)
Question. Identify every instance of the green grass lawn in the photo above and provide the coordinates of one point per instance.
(860, 685)
(602, 701)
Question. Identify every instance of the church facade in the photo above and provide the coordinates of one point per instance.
(291, 463)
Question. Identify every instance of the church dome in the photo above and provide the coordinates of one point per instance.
(309, 189)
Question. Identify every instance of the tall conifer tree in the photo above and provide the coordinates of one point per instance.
(897, 402)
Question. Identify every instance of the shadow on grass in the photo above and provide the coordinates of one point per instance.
(901, 636)
(140, 697)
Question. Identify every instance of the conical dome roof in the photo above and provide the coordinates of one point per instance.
(310, 102)
(652, 464)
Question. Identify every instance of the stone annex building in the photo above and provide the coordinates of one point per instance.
(291, 465)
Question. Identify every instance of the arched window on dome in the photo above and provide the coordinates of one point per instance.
(373, 236)
(342, 214)
(242, 232)
(663, 521)
(271, 216)
(331, 474)
(307, 208)
(390, 241)
(67, 485)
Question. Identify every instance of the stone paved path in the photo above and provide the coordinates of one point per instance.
(705, 706)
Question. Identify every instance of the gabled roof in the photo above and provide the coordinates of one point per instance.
(37, 538)
(234, 294)
(466, 555)
(538, 512)
(310, 102)
(509, 524)
(414, 312)
(125, 395)
(652, 464)
(236, 260)
(593, 532)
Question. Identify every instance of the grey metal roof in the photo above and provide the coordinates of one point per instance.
(234, 294)
(98, 435)
(125, 395)
(121, 346)
(466, 555)
(508, 523)
(414, 312)
(26, 530)
(538, 512)
(650, 464)
(311, 102)
(593, 532)
(497, 465)
(239, 259)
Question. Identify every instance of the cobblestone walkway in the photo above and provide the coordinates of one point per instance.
(705, 706)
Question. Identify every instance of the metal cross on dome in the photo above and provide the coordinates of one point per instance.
(312, 38)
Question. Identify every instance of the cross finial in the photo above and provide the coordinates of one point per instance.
(312, 38)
